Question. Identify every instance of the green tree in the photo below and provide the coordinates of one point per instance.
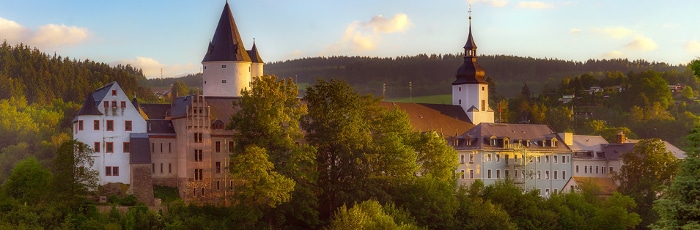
(179, 89)
(268, 118)
(74, 178)
(678, 207)
(688, 92)
(366, 215)
(646, 170)
(28, 182)
(258, 186)
(364, 151)
(616, 213)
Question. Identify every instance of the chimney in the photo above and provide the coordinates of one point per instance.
(567, 137)
(621, 138)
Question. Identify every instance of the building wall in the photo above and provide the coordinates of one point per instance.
(225, 78)
(591, 167)
(118, 111)
(257, 70)
(491, 166)
(468, 95)
(164, 162)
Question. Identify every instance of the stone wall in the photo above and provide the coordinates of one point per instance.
(142, 183)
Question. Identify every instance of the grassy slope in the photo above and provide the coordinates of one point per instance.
(433, 99)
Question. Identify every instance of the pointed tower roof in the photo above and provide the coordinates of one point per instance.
(470, 72)
(226, 45)
(254, 54)
(89, 107)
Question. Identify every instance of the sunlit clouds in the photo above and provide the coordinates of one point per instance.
(364, 36)
(152, 68)
(693, 46)
(47, 36)
(535, 5)
(494, 3)
(641, 43)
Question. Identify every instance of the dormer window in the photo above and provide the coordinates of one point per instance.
(554, 142)
(114, 92)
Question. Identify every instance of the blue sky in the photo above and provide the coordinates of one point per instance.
(173, 35)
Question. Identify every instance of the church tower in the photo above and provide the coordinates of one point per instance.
(227, 65)
(470, 90)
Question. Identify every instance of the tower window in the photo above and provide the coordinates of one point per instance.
(483, 88)
(460, 101)
(223, 81)
(223, 66)
(460, 89)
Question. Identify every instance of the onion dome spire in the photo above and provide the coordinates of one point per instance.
(470, 71)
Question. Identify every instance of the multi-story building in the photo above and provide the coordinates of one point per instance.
(183, 144)
(531, 155)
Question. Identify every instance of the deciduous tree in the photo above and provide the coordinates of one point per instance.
(646, 170)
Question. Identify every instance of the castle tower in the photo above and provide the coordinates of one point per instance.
(227, 66)
(257, 65)
(470, 90)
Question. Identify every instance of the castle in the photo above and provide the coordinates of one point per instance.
(185, 144)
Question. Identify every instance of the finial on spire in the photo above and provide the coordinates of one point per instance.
(470, 11)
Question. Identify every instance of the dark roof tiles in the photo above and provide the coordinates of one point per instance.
(226, 45)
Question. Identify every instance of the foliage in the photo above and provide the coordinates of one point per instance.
(258, 185)
(646, 170)
(366, 215)
(268, 118)
(39, 77)
(28, 182)
(74, 177)
(678, 207)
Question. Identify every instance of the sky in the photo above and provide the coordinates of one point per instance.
(172, 36)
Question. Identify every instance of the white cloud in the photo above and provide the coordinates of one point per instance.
(693, 46)
(615, 32)
(575, 31)
(641, 43)
(612, 54)
(12, 31)
(53, 35)
(47, 36)
(494, 3)
(364, 36)
(151, 67)
(535, 5)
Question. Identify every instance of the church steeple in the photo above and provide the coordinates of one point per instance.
(470, 90)
(470, 72)
(226, 45)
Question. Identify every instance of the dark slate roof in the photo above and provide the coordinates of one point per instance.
(100, 93)
(89, 107)
(226, 45)
(160, 126)
(514, 132)
(179, 106)
(221, 108)
(255, 55)
(614, 151)
(449, 120)
(156, 111)
(140, 153)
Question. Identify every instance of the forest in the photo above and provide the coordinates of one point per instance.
(358, 171)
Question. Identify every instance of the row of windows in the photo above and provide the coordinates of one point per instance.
(517, 174)
(109, 125)
(489, 158)
(153, 148)
(114, 104)
(109, 147)
(598, 169)
(198, 172)
(112, 171)
(170, 168)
